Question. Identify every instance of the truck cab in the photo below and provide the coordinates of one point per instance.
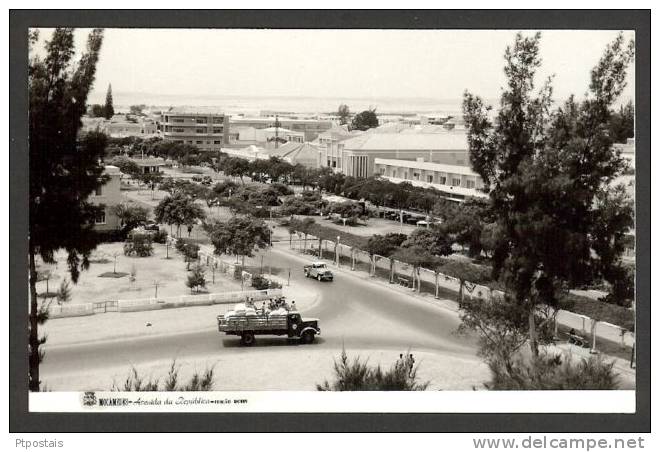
(305, 328)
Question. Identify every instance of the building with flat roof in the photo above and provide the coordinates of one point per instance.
(357, 155)
(207, 130)
(250, 135)
(107, 195)
(150, 164)
(456, 181)
(311, 128)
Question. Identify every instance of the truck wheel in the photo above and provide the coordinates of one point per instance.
(307, 337)
(247, 339)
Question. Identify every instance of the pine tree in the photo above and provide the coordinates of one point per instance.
(560, 223)
(109, 109)
(63, 172)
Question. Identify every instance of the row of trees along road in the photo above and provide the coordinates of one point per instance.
(560, 221)
(63, 171)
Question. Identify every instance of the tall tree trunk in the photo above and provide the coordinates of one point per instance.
(461, 295)
(34, 358)
(533, 341)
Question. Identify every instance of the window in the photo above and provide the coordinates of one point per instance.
(219, 120)
(99, 191)
(455, 181)
(217, 130)
(201, 121)
(429, 179)
(217, 142)
(100, 219)
(200, 130)
(442, 180)
(177, 119)
(416, 176)
(470, 183)
(178, 129)
(200, 142)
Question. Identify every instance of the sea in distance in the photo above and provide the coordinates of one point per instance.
(249, 105)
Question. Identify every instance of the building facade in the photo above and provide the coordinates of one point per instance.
(456, 181)
(356, 156)
(206, 131)
(311, 128)
(108, 195)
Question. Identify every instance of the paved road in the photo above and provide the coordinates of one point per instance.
(354, 312)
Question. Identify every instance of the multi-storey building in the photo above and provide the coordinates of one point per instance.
(456, 181)
(207, 131)
(311, 128)
(107, 195)
(356, 156)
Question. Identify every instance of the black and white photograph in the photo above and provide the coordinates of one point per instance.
(301, 220)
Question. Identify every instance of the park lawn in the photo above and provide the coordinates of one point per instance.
(170, 274)
(374, 226)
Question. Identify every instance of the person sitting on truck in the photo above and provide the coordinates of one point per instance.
(293, 305)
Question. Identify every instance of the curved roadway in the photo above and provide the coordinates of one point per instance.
(354, 311)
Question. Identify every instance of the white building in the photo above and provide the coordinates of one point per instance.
(457, 181)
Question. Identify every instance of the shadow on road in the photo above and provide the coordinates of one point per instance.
(270, 342)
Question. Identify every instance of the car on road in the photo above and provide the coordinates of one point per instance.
(318, 270)
(276, 323)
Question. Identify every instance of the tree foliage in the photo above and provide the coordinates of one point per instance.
(238, 236)
(365, 120)
(622, 123)
(385, 245)
(550, 172)
(196, 278)
(548, 372)
(108, 108)
(344, 114)
(63, 172)
(179, 209)
(130, 215)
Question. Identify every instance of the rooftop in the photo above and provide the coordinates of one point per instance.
(295, 151)
(149, 162)
(193, 111)
(408, 142)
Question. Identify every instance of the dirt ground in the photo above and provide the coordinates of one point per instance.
(170, 274)
(304, 367)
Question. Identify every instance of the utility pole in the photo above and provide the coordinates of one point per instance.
(156, 284)
(277, 124)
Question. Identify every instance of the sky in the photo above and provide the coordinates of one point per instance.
(437, 64)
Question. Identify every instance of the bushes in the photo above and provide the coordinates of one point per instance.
(136, 382)
(138, 244)
(196, 279)
(552, 372)
(111, 236)
(261, 283)
(357, 375)
(189, 249)
(160, 236)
